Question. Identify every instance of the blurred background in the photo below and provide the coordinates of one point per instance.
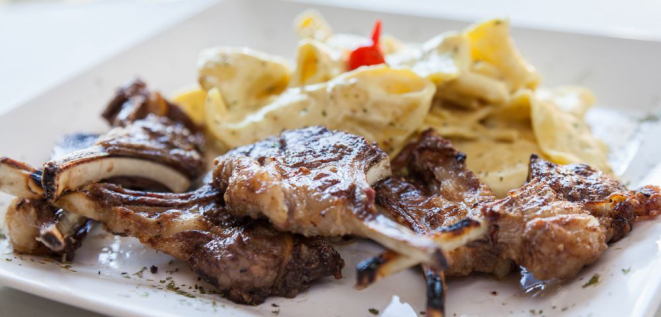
(43, 43)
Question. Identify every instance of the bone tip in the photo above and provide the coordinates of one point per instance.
(368, 272)
(435, 294)
(53, 239)
(365, 278)
(434, 312)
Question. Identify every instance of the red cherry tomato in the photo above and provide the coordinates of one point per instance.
(368, 55)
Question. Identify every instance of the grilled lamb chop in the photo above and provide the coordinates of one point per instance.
(432, 190)
(134, 101)
(246, 259)
(29, 228)
(563, 218)
(153, 146)
(38, 228)
(557, 223)
(314, 181)
(151, 139)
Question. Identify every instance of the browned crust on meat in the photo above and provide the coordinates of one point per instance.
(247, 260)
(575, 182)
(435, 192)
(146, 124)
(563, 218)
(134, 101)
(323, 169)
(157, 139)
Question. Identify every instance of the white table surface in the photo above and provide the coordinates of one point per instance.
(43, 43)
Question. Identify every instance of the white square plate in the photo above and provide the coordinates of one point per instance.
(623, 73)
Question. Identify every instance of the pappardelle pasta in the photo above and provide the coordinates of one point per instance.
(472, 86)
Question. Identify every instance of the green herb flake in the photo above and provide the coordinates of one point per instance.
(139, 273)
(594, 280)
(373, 311)
(626, 271)
(172, 287)
(68, 268)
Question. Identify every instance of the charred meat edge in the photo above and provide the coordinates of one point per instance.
(337, 169)
(646, 201)
(232, 254)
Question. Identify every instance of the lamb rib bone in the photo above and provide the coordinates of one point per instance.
(153, 148)
(95, 164)
(151, 138)
(98, 163)
(391, 262)
(25, 220)
(20, 180)
(57, 230)
(154, 145)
